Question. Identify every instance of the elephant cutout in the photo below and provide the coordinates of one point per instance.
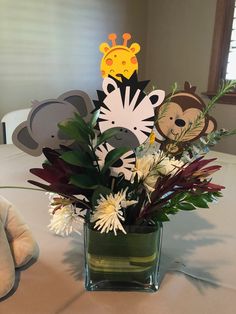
(41, 127)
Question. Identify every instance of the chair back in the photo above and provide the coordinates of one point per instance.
(10, 121)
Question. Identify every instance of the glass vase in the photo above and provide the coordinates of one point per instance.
(123, 262)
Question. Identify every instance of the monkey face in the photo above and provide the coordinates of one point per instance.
(182, 119)
(180, 125)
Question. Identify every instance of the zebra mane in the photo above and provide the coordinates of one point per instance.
(132, 82)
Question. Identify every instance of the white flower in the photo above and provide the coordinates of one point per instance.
(169, 166)
(150, 167)
(143, 166)
(146, 170)
(64, 216)
(108, 214)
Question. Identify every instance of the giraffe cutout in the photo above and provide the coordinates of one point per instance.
(119, 60)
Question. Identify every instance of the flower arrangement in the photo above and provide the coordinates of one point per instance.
(115, 185)
(123, 164)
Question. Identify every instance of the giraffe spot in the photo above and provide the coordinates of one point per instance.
(124, 62)
(134, 60)
(109, 61)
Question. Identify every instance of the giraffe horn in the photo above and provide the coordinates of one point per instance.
(112, 37)
(126, 37)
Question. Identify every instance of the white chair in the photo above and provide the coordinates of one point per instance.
(10, 121)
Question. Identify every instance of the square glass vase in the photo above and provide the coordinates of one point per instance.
(123, 262)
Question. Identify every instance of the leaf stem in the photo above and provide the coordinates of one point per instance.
(20, 187)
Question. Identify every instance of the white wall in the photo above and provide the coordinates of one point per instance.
(179, 48)
(50, 46)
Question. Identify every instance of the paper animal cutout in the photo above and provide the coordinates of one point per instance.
(41, 127)
(119, 59)
(180, 120)
(123, 165)
(124, 105)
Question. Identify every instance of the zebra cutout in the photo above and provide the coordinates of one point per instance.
(124, 105)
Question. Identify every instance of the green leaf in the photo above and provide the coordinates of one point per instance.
(86, 127)
(100, 190)
(106, 135)
(84, 181)
(82, 124)
(171, 210)
(160, 216)
(73, 130)
(198, 202)
(113, 156)
(78, 159)
(208, 197)
(217, 194)
(232, 132)
(179, 197)
(185, 206)
(93, 120)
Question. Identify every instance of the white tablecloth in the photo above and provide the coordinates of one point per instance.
(201, 244)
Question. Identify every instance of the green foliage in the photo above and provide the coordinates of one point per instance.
(106, 135)
(225, 87)
(84, 181)
(113, 156)
(93, 120)
(182, 201)
(76, 170)
(74, 131)
(78, 158)
(203, 145)
(83, 155)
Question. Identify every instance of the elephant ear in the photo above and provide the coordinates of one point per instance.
(24, 141)
(81, 101)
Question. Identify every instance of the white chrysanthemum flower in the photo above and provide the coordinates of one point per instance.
(149, 167)
(64, 216)
(108, 214)
(143, 166)
(146, 170)
(65, 221)
(169, 166)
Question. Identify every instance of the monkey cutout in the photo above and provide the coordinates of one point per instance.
(181, 119)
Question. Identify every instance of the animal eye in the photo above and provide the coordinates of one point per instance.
(110, 88)
(135, 128)
(113, 122)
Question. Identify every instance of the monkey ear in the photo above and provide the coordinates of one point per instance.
(189, 88)
(212, 125)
